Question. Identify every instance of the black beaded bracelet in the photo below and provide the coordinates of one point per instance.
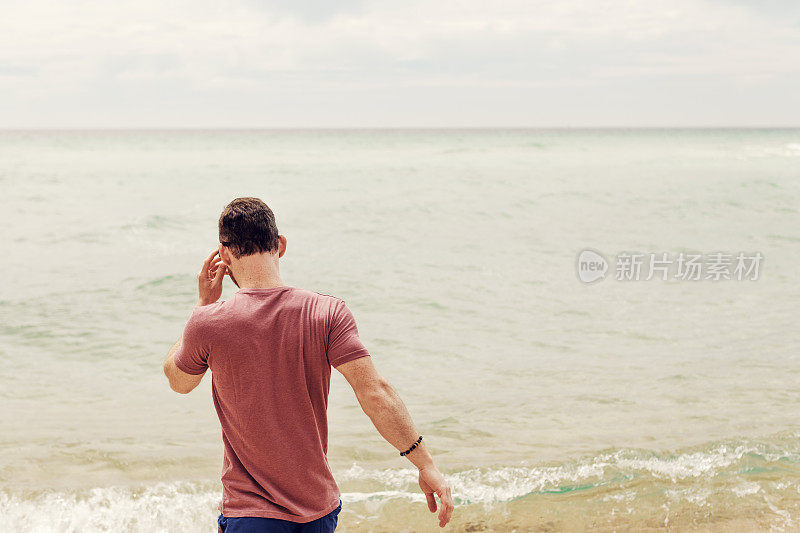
(412, 447)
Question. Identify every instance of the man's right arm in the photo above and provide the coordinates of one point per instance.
(384, 407)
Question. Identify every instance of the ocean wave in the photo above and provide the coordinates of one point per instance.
(508, 483)
(761, 473)
(160, 507)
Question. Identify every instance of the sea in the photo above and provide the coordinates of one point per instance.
(645, 400)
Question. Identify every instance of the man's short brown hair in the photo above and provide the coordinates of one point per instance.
(247, 226)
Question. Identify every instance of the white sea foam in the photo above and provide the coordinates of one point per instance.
(502, 484)
(160, 507)
(746, 489)
(697, 496)
(188, 506)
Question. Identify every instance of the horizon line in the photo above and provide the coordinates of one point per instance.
(367, 128)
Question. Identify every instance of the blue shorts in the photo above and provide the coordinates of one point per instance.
(253, 524)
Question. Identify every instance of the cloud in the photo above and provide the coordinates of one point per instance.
(251, 63)
(310, 11)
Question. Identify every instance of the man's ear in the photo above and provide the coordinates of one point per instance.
(225, 255)
(281, 245)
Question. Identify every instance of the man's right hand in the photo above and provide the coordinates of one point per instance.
(386, 410)
(431, 481)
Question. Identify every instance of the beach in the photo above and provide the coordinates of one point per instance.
(550, 404)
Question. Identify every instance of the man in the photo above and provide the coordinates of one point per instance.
(270, 350)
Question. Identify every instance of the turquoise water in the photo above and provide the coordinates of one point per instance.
(456, 251)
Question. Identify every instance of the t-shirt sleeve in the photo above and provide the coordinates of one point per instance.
(192, 355)
(343, 342)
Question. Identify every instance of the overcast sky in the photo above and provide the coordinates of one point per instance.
(352, 63)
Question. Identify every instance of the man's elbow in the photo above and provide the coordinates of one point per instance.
(174, 384)
(181, 390)
(377, 395)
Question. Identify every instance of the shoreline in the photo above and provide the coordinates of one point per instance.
(722, 486)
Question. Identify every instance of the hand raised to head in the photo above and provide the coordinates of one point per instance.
(209, 279)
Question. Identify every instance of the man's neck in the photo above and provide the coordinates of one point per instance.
(256, 273)
(261, 284)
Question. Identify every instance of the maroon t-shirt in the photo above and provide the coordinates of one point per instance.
(270, 352)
